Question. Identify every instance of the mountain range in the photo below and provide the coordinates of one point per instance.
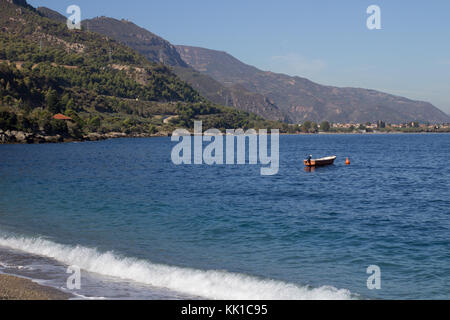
(225, 80)
(303, 99)
(102, 85)
(157, 49)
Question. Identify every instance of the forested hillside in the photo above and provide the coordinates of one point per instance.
(104, 86)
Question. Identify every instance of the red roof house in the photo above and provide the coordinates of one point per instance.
(60, 116)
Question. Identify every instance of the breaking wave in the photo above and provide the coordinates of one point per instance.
(210, 284)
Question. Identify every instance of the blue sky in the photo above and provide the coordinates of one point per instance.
(326, 41)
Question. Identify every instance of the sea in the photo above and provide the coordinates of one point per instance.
(140, 227)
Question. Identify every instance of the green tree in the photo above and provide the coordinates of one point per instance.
(94, 123)
(70, 105)
(65, 99)
(314, 128)
(8, 121)
(52, 100)
(325, 126)
(306, 126)
(58, 127)
(152, 129)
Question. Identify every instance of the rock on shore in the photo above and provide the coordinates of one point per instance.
(11, 136)
(20, 137)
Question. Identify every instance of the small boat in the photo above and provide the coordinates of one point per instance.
(320, 162)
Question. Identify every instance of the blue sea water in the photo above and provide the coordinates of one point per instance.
(141, 227)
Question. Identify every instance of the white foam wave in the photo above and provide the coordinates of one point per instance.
(7, 266)
(82, 297)
(212, 284)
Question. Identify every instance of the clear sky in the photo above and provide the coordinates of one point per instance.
(326, 41)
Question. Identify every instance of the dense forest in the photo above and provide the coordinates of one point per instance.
(46, 69)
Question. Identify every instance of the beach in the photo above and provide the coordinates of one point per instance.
(14, 288)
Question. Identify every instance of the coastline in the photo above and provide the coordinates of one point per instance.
(20, 137)
(16, 288)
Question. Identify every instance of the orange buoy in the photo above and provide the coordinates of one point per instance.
(347, 161)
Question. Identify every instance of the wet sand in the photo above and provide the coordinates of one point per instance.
(14, 288)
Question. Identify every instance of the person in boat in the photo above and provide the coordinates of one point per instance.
(309, 159)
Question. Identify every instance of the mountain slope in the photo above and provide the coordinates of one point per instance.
(51, 14)
(104, 86)
(148, 44)
(156, 49)
(303, 100)
(234, 96)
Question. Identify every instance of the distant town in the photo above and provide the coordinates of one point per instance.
(368, 127)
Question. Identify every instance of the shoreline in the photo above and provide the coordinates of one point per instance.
(20, 137)
(17, 288)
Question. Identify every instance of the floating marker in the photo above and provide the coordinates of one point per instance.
(347, 162)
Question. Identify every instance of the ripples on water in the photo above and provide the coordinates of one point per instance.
(390, 208)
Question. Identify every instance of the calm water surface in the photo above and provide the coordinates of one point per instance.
(390, 207)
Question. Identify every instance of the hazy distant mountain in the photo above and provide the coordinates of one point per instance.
(235, 96)
(303, 100)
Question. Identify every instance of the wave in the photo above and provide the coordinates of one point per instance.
(7, 266)
(220, 285)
